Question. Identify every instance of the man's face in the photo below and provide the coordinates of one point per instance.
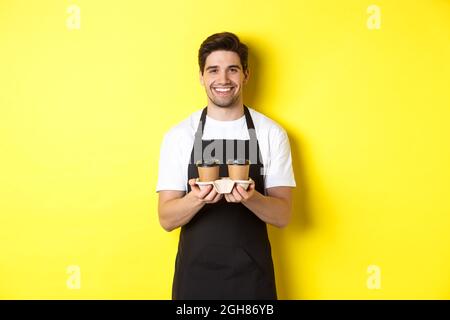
(223, 78)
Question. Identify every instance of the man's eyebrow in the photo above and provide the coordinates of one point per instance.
(231, 66)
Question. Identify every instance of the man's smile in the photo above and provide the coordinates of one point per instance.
(222, 90)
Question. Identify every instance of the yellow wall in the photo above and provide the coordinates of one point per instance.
(83, 111)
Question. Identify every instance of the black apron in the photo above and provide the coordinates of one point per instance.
(224, 251)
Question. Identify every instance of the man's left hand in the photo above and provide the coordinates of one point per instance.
(238, 194)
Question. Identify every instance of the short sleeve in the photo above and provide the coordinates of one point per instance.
(279, 172)
(171, 170)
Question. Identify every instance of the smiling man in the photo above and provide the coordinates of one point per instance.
(224, 250)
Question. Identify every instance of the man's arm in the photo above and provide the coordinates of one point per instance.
(275, 208)
(176, 208)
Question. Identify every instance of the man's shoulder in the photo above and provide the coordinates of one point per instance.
(265, 124)
(186, 127)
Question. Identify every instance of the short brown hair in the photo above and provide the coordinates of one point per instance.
(222, 41)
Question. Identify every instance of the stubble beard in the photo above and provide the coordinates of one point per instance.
(223, 103)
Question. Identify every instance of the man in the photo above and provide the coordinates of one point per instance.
(224, 250)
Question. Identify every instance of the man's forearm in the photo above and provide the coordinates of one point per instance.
(178, 212)
(269, 209)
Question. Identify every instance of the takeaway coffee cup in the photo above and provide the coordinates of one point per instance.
(238, 169)
(208, 170)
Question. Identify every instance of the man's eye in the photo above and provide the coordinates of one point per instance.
(212, 70)
(233, 70)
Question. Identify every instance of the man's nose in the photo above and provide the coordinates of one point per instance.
(223, 77)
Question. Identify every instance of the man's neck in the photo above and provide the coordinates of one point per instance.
(233, 112)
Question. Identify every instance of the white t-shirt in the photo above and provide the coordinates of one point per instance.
(177, 144)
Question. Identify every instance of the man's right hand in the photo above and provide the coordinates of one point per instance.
(176, 208)
(207, 194)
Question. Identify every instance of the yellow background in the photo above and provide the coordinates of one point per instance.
(83, 112)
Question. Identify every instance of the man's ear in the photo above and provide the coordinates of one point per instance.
(200, 75)
(246, 75)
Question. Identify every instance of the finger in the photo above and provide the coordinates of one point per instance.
(226, 197)
(195, 187)
(211, 195)
(203, 193)
(231, 197)
(241, 191)
(245, 194)
(236, 195)
(217, 198)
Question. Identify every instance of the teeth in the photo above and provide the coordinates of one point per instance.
(222, 89)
